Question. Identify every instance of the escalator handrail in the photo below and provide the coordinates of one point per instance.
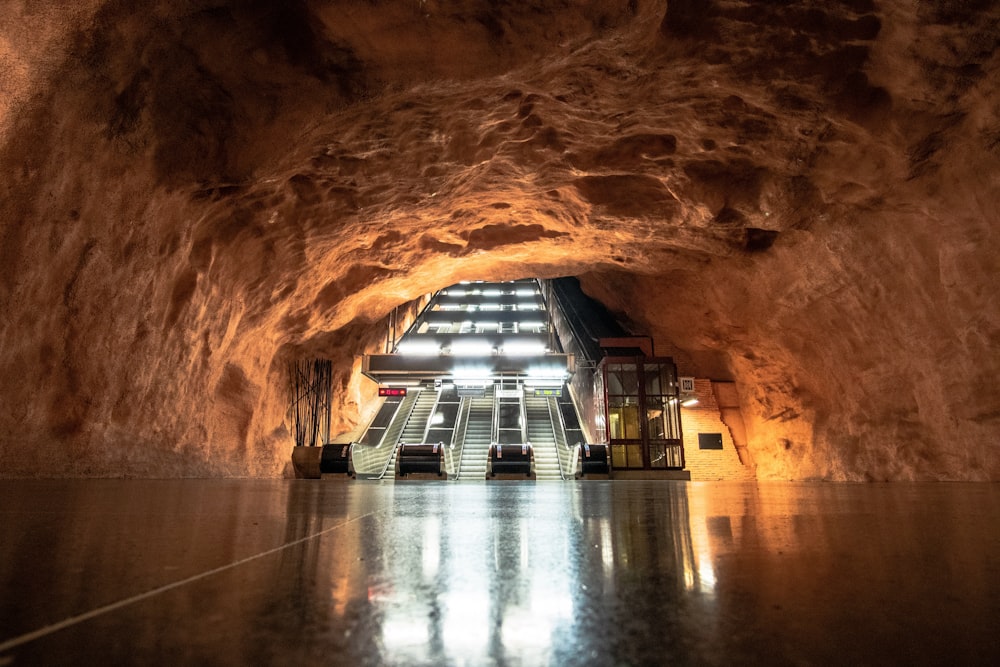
(464, 406)
(555, 435)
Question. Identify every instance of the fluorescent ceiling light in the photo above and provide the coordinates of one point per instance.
(418, 348)
(470, 348)
(521, 348)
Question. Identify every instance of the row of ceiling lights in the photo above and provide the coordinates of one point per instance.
(471, 348)
(489, 307)
(489, 292)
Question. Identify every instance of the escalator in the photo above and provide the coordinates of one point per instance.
(466, 429)
(416, 425)
(478, 434)
(371, 454)
(542, 437)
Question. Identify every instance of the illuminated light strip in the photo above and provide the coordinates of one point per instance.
(421, 348)
(475, 348)
(523, 348)
(114, 606)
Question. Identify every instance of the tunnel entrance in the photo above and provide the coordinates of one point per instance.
(523, 379)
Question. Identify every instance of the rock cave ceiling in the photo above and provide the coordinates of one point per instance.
(798, 195)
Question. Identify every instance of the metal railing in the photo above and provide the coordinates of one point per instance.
(434, 407)
(453, 458)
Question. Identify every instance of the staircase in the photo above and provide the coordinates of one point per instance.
(478, 432)
(542, 438)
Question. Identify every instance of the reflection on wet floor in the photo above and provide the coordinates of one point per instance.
(631, 573)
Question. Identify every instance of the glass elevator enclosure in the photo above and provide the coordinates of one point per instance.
(643, 412)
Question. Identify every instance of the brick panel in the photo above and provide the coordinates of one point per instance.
(706, 417)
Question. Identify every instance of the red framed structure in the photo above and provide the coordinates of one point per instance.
(642, 412)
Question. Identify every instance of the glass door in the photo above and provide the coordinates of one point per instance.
(624, 424)
(644, 428)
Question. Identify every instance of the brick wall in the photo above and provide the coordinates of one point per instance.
(707, 417)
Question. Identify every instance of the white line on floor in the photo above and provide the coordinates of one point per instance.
(86, 616)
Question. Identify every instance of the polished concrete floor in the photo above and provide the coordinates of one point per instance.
(507, 573)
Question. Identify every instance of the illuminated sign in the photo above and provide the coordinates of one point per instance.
(392, 391)
(548, 392)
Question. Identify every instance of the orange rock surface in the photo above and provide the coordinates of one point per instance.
(800, 196)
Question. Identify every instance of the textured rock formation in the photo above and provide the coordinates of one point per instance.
(797, 195)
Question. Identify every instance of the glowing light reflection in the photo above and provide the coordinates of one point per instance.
(466, 622)
(400, 632)
(431, 553)
(464, 565)
(526, 631)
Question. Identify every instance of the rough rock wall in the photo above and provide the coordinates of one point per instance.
(799, 195)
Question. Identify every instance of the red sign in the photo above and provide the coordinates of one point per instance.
(391, 391)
